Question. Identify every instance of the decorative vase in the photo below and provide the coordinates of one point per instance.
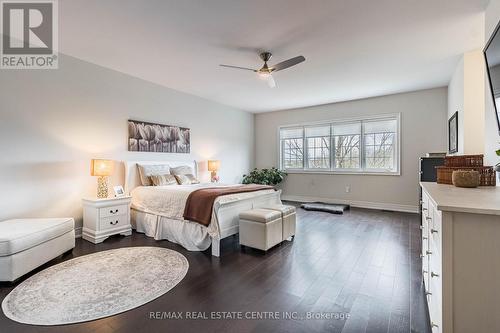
(465, 178)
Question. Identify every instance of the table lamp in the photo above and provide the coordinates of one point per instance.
(101, 169)
(213, 167)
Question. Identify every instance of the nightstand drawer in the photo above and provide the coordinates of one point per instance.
(113, 211)
(113, 222)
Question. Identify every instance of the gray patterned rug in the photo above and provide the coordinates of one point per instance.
(95, 286)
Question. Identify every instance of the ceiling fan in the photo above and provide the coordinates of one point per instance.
(266, 70)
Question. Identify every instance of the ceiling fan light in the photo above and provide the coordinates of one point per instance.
(264, 75)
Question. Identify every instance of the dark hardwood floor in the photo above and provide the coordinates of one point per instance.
(363, 265)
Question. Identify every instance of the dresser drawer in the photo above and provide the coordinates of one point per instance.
(436, 229)
(435, 301)
(113, 211)
(425, 273)
(113, 222)
(425, 203)
(435, 243)
(425, 260)
(434, 304)
(425, 224)
(435, 262)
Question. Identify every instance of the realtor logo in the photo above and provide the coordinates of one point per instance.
(29, 34)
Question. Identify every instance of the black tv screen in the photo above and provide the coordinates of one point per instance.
(492, 57)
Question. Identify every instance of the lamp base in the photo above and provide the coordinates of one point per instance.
(213, 177)
(102, 187)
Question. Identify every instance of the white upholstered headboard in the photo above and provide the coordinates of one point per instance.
(132, 179)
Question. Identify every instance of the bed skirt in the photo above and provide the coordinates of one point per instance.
(191, 235)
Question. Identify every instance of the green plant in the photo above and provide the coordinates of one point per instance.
(271, 176)
(497, 167)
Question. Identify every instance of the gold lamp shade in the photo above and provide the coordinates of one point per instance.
(213, 165)
(102, 169)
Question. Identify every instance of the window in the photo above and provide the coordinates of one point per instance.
(318, 147)
(346, 145)
(362, 145)
(292, 148)
(379, 144)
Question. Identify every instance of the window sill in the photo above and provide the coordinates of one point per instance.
(343, 172)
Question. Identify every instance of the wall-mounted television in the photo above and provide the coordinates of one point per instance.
(492, 57)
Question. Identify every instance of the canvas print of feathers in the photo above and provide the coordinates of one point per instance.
(149, 137)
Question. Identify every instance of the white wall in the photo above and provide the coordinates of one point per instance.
(423, 129)
(466, 95)
(456, 101)
(474, 85)
(52, 122)
(492, 138)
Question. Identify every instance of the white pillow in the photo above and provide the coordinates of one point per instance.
(181, 170)
(163, 180)
(146, 171)
(186, 179)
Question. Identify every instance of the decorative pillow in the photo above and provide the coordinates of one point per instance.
(145, 171)
(181, 170)
(163, 180)
(193, 179)
(186, 179)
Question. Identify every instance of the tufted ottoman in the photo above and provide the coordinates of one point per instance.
(26, 244)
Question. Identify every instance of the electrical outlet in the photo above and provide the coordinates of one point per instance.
(348, 189)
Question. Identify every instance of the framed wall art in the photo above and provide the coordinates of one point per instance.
(159, 138)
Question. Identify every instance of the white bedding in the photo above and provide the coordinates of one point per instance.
(170, 201)
(191, 235)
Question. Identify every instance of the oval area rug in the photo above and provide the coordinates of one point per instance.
(95, 286)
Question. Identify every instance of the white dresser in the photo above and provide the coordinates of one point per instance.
(461, 257)
(105, 217)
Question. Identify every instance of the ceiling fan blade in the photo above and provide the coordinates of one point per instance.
(238, 67)
(288, 63)
(270, 81)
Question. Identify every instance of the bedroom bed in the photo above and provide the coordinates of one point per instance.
(157, 211)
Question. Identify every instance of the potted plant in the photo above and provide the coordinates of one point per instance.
(497, 167)
(272, 176)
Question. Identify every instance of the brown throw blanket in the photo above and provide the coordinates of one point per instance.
(200, 203)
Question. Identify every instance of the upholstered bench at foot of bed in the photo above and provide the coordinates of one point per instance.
(289, 216)
(26, 244)
(261, 228)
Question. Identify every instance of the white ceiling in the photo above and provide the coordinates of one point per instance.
(353, 48)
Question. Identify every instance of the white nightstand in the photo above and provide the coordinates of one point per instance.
(106, 217)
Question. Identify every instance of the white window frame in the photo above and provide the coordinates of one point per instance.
(362, 170)
(305, 154)
(281, 148)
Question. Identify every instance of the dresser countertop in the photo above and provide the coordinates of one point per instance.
(480, 200)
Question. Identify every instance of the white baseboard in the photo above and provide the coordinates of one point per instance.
(354, 203)
(78, 232)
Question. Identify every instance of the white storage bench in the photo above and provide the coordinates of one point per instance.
(261, 228)
(289, 216)
(26, 244)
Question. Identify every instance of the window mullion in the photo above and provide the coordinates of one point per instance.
(304, 149)
(362, 163)
(282, 155)
(332, 148)
(283, 144)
